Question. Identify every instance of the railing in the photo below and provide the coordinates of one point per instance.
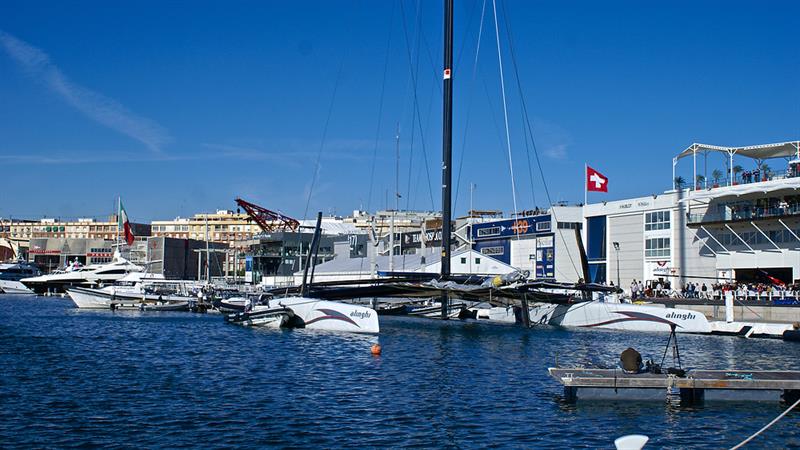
(741, 178)
(745, 213)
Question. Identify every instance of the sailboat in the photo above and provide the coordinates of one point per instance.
(305, 312)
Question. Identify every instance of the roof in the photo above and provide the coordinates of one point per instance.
(403, 263)
(763, 151)
(332, 228)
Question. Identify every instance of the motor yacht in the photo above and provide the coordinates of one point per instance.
(87, 276)
(12, 272)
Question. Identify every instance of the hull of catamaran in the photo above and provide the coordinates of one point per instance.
(610, 316)
(331, 316)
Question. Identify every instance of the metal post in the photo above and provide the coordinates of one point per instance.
(447, 144)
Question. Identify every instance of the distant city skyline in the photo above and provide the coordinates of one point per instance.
(180, 110)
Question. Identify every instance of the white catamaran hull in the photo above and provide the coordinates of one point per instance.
(609, 316)
(332, 316)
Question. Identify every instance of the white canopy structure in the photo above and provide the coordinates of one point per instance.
(757, 152)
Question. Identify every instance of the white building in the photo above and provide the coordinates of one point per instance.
(741, 224)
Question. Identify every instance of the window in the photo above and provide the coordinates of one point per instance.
(463, 260)
(656, 248)
(658, 220)
(543, 226)
(491, 251)
(477, 260)
(570, 225)
(493, 231)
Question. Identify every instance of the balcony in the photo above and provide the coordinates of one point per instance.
(740, 214)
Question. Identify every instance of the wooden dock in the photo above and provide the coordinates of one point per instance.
(695, 387)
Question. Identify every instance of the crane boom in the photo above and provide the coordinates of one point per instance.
(269, 221)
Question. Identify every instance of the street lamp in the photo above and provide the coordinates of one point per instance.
(616, 248)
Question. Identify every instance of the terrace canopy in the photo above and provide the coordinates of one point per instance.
(757, 152)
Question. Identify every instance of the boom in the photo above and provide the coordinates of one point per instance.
(269, 221)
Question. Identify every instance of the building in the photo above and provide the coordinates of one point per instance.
(234, 230)
(742, 223)
(173, 258)
(545, 243)
(22, 231)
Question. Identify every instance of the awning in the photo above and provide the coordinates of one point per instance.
(764, 151)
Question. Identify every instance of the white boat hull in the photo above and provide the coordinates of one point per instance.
(332, 316)
(609, 316)
(119, 298)
(14, 287)
(261, 316)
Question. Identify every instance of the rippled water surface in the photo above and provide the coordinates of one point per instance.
(109, 379)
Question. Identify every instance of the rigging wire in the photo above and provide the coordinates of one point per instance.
(324, 136)
(515, 66)
(380, 111)
(469, 105)
(767, 426)
(505, 109)
(416, 105)
(414, 117)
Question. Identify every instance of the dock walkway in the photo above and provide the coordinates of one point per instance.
(695, 387)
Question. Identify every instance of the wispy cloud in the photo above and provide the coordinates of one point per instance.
(552, 139)
(93, 105)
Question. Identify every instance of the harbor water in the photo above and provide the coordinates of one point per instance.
(72, 377)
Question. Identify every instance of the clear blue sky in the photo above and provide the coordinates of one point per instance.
(182, 106)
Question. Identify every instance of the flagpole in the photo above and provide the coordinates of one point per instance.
(585, 184)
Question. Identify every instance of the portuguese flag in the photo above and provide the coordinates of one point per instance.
(124, 224)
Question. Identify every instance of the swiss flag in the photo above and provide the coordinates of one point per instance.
(595, 181)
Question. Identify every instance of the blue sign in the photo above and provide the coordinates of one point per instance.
(499, 249)
(512, 227)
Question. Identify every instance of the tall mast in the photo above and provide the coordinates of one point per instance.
(119, 220)
(447, 143)
(208, 256)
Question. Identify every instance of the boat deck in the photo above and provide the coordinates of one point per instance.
(695, 386)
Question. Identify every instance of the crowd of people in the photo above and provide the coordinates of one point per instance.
(704, 290)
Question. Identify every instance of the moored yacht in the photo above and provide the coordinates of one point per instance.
(91, 275)
(11, 273)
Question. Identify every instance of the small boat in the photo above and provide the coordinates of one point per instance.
(230, 305)
(391, 309)
(126, 297)
(262, 316)
(176, 305)
(434, 310)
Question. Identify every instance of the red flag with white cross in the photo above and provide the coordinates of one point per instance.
(595, 181)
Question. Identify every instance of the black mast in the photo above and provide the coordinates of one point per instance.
(447, 144)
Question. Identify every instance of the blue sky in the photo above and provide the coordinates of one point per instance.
(182, 106)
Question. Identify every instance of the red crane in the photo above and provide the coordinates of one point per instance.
(269, 221)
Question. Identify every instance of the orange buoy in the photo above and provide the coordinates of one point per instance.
(376, 349)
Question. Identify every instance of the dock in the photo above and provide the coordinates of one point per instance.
(694, 387)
